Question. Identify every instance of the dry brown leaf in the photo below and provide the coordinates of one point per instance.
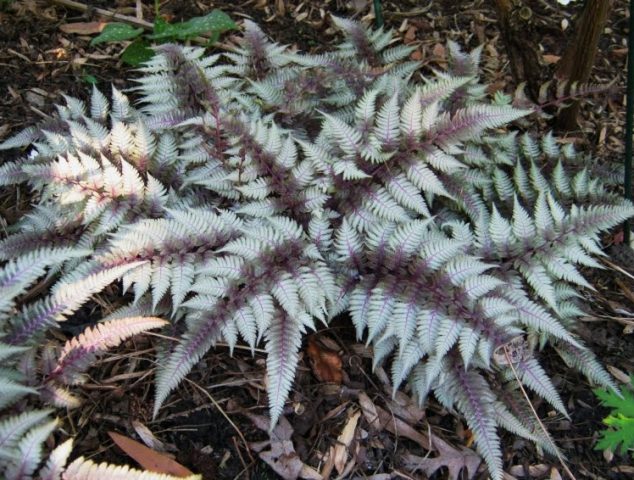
(328, 463)
(623, 469)
(619, 374)
(146, 435)
(83, 28)
(309, 473)
(619, 52)
(391, 423)
(280, 6)
(359, 5)
(554, 474)
(550, 59)
(148, 458)
(343, 442)
(453, 459)
(369, 411)
(416, 55)
(405, 407)
(410, 35)
(326, 364)
(282, 457)
(439, 51)
(533, 470)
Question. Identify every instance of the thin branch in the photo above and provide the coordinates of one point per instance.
(541, 425)
(224, 414)
(106, 13)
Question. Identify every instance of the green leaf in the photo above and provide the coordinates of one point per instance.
(116, 32)
(88, 78)
(623, 434)
(136, 53)
(160, 24)
(621, 419)
(623, 404)
(215, 22)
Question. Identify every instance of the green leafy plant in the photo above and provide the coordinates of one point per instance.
(139, 51)
(253, 194)
(620, 435)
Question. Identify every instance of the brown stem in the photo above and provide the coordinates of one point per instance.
(514, 19)
(578, 58)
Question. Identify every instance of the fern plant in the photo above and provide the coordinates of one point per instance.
(45, 373)
(249, 195)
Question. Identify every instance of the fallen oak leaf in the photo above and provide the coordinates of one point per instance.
(446, 455)
(281, 457)
(455, 460)
(148, 458)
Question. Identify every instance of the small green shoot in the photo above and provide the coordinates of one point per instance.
(620, 435)
(90, 79)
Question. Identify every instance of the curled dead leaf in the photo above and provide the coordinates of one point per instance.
(326, 364)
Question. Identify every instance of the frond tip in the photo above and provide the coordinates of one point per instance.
(80, 351)
(83, 469)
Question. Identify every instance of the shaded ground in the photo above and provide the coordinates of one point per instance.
(207, 431)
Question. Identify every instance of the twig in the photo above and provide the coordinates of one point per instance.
(541, 425)
(617, 268)
(106, 13)
(224, 414)
(235, 445)
(410, 13)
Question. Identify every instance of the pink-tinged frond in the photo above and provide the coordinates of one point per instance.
(83, 469)
(80, 351)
